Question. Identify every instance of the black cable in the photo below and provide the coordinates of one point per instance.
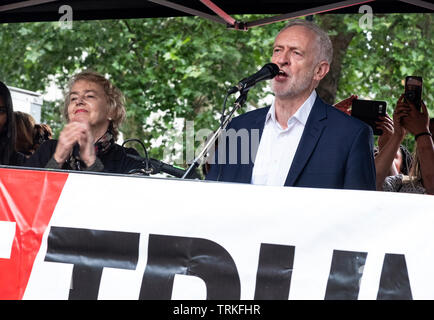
(144, 148)
(152, 166)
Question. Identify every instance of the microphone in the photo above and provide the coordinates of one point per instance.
(158, 166)
(76, 151)
(268, 71)
(76, 155)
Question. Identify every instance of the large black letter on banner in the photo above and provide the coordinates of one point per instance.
(394, 281)
(274, 272)
(170, 255)
(90, 251)
(345, 274)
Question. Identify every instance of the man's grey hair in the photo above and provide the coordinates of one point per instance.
(323, 40)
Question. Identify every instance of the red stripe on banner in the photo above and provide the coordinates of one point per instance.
(27, 198)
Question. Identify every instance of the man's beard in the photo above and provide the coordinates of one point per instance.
(295, 86)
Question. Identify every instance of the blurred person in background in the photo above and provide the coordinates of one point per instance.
(407, 119)
(25, 125)
(42, 132)
(8, 153)
(403, 159)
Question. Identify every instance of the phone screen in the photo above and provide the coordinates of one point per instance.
(413, 90)
(369, 111)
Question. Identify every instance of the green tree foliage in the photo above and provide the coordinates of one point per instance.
(181, 67)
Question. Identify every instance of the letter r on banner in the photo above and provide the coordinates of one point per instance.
(171, 255)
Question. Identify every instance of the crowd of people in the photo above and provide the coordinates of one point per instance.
(397, 169)
(418, 177)
(303, 141)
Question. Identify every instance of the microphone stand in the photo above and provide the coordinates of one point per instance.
(211, 142)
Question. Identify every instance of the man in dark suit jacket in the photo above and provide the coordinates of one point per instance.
(302, 141)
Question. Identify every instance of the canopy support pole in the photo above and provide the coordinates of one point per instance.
(418, 3)
(232, 23)
(23, 4)
(307, 12)
(223, 18)
(188, 10)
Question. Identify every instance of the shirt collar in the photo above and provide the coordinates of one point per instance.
(301, 114)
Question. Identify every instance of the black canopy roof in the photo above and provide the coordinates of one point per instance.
(48, 10)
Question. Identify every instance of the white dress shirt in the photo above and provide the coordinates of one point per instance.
(277, 146)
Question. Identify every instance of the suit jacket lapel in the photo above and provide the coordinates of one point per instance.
(311, 134)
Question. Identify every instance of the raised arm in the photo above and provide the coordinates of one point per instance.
(417, 123)
(388, 149)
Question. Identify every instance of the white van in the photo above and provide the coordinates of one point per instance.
(27, 101)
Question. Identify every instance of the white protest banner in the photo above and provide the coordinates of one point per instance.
(118, 237)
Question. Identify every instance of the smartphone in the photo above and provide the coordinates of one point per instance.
(369, 111)
(413, 90)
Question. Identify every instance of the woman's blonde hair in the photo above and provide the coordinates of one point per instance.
(115, 98)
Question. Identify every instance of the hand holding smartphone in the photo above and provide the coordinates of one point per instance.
(369, 111)
(413, 91)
